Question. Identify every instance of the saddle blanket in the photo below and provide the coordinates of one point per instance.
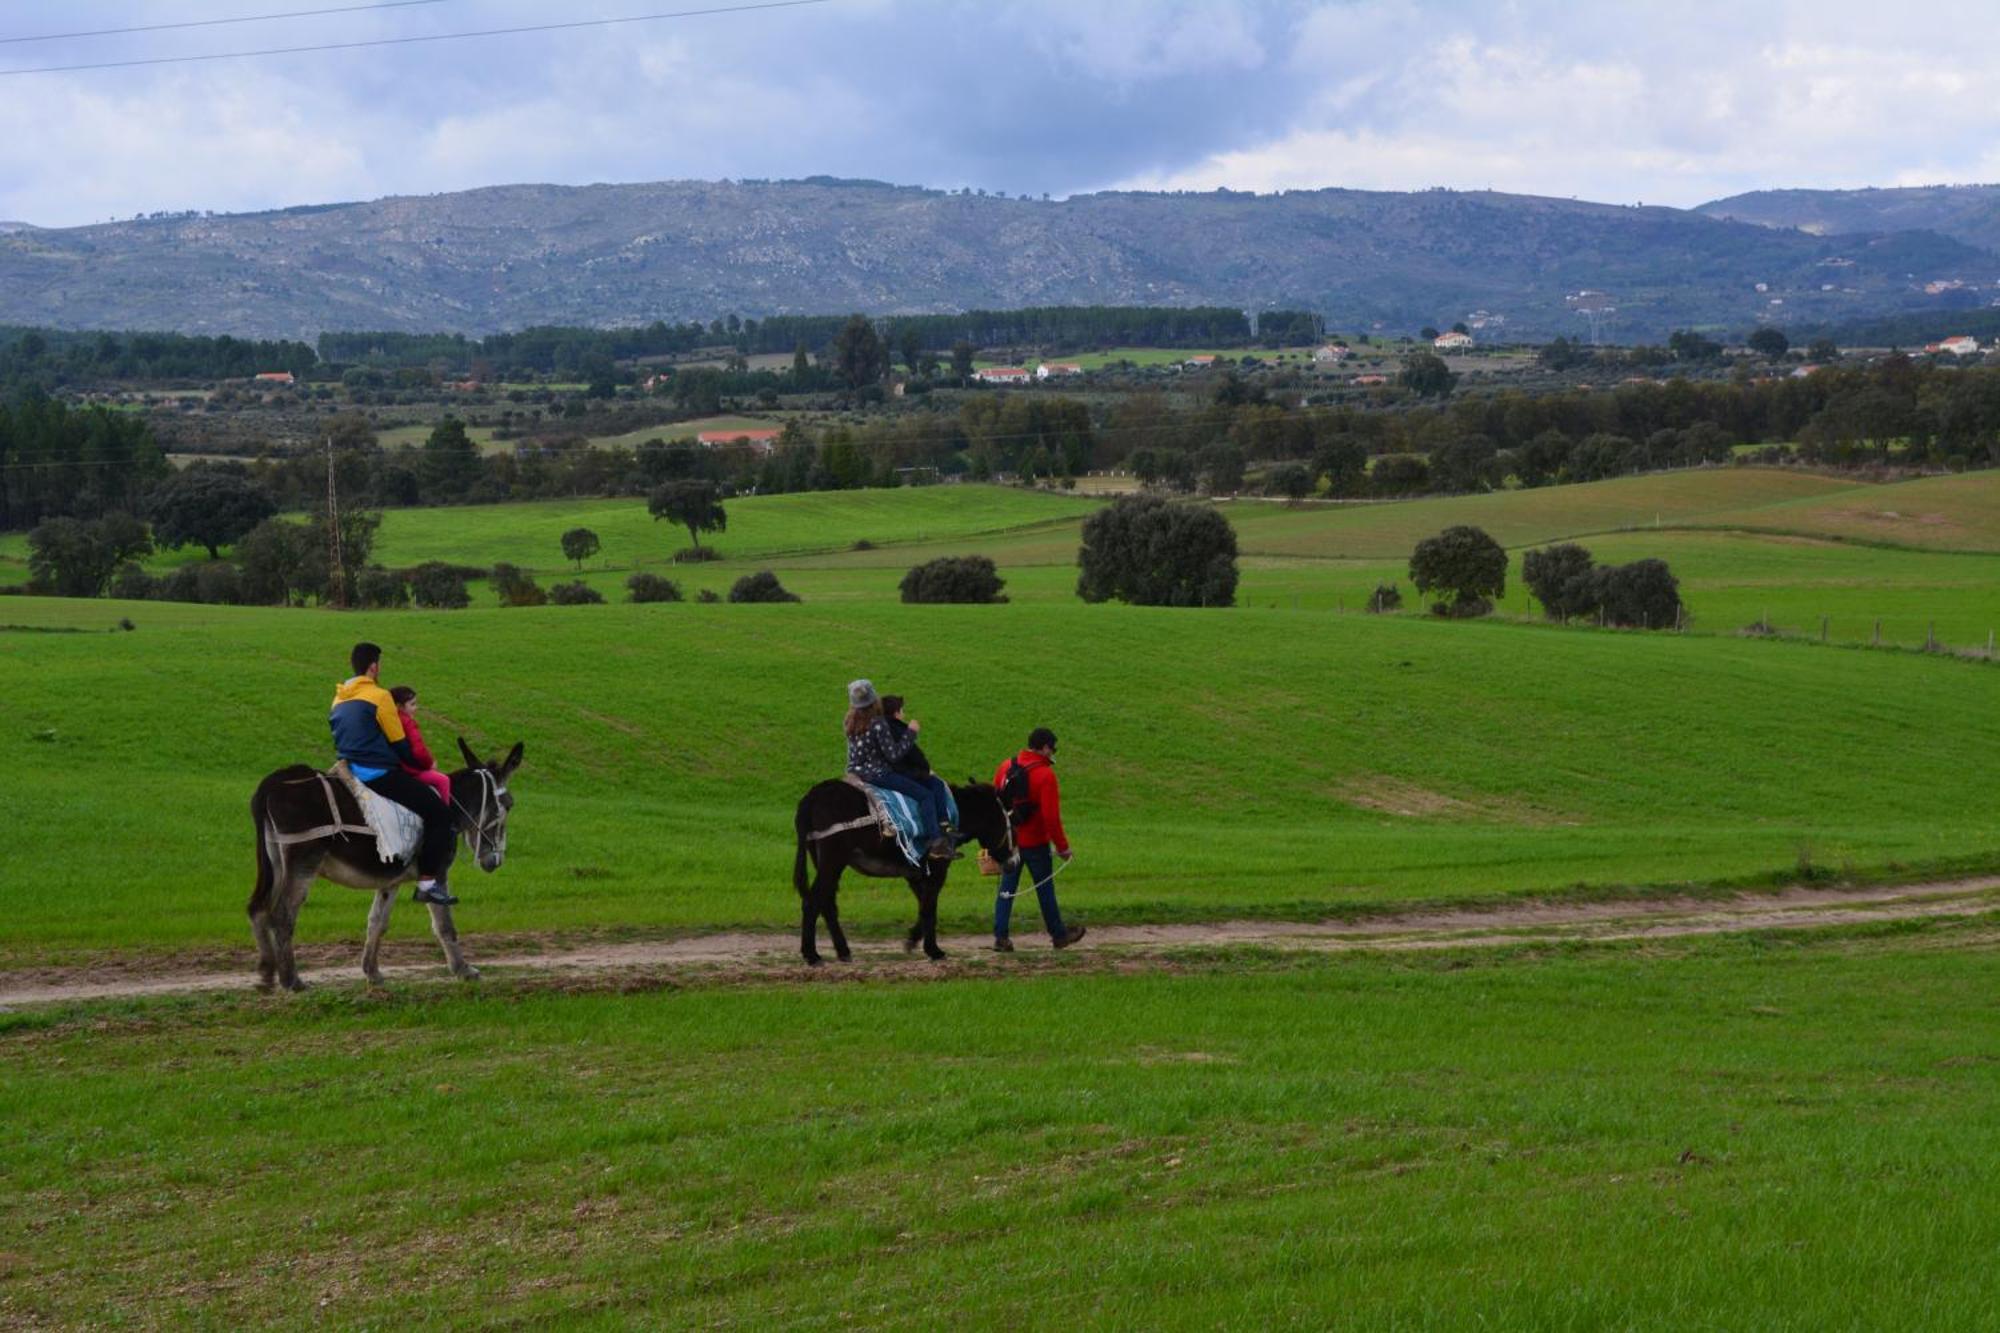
(895, 814)
(398, 830)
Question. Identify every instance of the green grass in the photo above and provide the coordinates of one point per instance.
(1960, 513)
(1219, 764)
(1762, 1133)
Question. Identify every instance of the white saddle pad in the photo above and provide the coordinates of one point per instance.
(398, 830)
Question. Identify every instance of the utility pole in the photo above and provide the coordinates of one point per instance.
(336, 576)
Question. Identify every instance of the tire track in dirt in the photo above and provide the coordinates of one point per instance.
(774, 954)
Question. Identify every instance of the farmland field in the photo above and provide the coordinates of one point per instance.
(1783, 1126)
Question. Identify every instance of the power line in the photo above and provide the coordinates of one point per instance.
(214, 23)
(405, 41)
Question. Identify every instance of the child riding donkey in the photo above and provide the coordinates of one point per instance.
(875, 749)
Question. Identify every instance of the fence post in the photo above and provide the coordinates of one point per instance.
(1930, 638)
(1878, 632)
(1822, 629)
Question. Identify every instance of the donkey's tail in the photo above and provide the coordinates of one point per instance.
(802, 826)
(260, 897)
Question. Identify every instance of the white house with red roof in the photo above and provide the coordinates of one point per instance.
(276, 377)
(1002, 375)
(1330, 352)
(761, 438)
(1202, 362)
(1452, 342)
(1960, 344)
(1051, 369)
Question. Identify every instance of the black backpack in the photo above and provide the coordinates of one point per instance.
(1014, 791)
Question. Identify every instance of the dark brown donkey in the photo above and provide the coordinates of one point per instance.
(309, 827)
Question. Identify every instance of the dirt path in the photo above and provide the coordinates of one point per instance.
(776, 953)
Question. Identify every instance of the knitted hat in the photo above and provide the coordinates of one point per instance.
(861, 693)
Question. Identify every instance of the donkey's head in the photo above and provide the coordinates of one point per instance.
(483, 801)
(981, 814)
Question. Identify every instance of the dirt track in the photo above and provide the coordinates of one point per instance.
(775, 954)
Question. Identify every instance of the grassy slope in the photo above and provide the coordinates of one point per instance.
(1218, 763)
(1746, 1134)
(1959, 513)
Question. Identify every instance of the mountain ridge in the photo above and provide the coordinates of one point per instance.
(507, 256)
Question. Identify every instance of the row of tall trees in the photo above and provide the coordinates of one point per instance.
(55, 357)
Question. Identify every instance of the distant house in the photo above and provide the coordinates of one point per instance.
(762, 439)
(280, 377)
(1452, 342)
(462, 386)
(655, 382)
(1961, 344)
(1801, 372)
(1050, 369)
(1371, 379)
(1002, 375)
(1330, 352)
(1202, 362)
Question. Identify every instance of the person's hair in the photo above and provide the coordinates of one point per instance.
(860, 719)
(1041, 738)
(892, 704)
(365, 655)
(402, 694)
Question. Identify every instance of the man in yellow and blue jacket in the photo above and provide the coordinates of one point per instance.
(369, 736)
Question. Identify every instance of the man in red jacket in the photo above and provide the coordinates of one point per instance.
(1038, 827)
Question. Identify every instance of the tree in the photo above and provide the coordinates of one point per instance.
(961, 360)
(1464, 564)
(910, 342)
(801, 364)
(439, 586)
(579, 544)
(1687, 345)
(1822, 350)
(763, 586)
(1644, 594)
(450, 460)
(209, 505)
(275, 556)
(1426, 375)
(695, 505)
(1428, 333)
(515, 586)
(1468, 463)
(858, 355)
(72, 558)
(1770, 342)
(968, 579)
(1151, 551)
(1400, 474)
(1559, 576)
(1292, 481)
(1221, 468)
(1343, 461)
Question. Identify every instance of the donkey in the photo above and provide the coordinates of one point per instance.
(300, 839)
(835, 832)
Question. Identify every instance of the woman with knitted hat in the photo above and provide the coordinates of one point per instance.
(873, 749)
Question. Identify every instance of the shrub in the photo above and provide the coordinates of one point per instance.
(695, 555)
(1150, 551)
(1644, 594)
(652, 588)
(516, 586)
(381, 589)
(439, 586)
(763, 586)
(1560, 578)
(707, 595)
(1464, 563)
(1386, 597)
(1292, 481)
(577, 593)
(132, 583)
(964, 578)
(178, 585)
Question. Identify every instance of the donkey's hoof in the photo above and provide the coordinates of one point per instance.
(468, 973)
(265, 985)
(296, 984)
(935, 955)
(844, 955)
(375, 980)
(814, 960)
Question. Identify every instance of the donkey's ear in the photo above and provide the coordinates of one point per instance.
(471, 759)
(513, 761)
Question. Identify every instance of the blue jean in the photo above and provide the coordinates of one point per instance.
(920, 795)
(1042, 867)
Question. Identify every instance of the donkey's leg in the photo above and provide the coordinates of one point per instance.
(825, 879)
(914, 936)
(268, 879)
(378, 925)
(447, 935)
(287, 898)
(829, 910)
(927, 902)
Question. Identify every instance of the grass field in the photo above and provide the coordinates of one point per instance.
(1768, 1133)
(1780, 1129)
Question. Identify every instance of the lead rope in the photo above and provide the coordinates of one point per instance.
(1060, 866)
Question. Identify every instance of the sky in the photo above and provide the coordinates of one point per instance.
(1598, 99)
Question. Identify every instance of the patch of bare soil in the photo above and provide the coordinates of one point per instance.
(748, 955)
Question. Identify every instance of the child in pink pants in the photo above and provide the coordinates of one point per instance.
(424, 769)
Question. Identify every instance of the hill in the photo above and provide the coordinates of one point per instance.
(1968, 213)
(511, 256)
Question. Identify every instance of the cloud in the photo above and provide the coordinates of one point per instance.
(1620, 101)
